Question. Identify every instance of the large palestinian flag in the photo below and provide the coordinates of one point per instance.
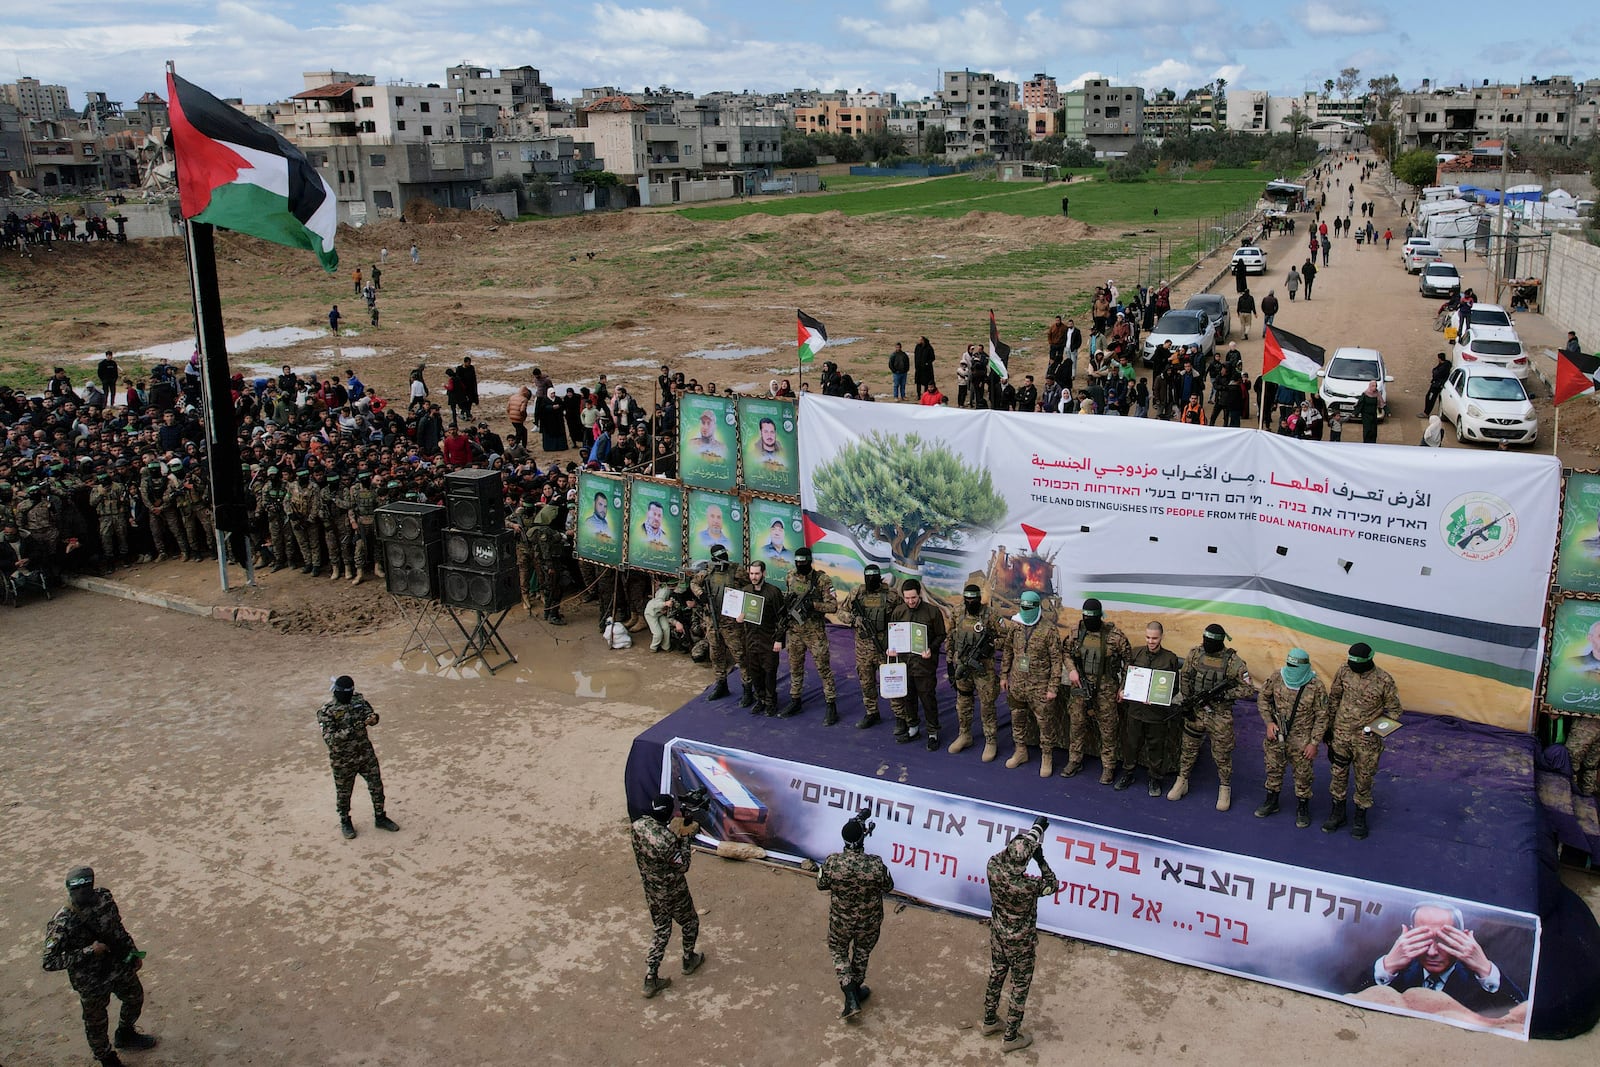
(237, 174)
(1574, 375)
(1290, 361)
(999, 351)
(813, 337)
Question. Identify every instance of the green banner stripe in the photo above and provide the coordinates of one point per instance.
(1294, 623)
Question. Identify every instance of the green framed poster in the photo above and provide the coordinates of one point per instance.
(1578, 567)
(600, 515)
(707, 436)
(768, 445)
(775, 532)
(1572, 682)
(655, 526)
(715, 519)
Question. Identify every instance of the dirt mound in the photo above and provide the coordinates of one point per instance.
(353, 613)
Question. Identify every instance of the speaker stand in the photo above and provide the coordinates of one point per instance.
(425, 635)
(483, 639)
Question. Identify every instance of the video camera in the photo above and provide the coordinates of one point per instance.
(864, 817)
(695, 806)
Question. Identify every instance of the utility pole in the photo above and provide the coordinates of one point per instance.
(1499, 254)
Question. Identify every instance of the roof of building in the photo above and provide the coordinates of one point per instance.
(615, 103)
(322, 92)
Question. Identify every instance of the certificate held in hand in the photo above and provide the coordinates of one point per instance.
(1146, 686)
(908, 638)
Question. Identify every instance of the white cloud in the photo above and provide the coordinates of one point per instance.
(1077, 83)
(663, 27)
(1263, 34)
(1138, 13)
(906, 8)
(1323, 19)
(1170, 74)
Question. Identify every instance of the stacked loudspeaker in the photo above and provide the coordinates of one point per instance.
(411, 538)
(479, 570)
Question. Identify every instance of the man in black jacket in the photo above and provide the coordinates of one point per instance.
(1441, 371)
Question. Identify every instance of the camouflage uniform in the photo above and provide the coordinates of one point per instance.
(304, 508)
(870, 613)
(159, 494)
(109, 501)
(350, 751)
(96, 978)
(1030, 663)
(1201, 674)
(523, 520)
(39, 523)
(194, 514)
(364, 507)
(1357, 701)
(547, 548)
(326, 523)
(858, 880)
(975, 637)
(341, 528)
(663, 859)
(811, 635)
(272, 500)
(1013, 929)
(1301, 717)
(1583, 746)
(724, 636)
(1100, 659)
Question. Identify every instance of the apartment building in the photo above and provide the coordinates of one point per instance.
(1556, 110)
(37, 100)
(1106, 117)
(1040, 93)
(832, 114)
(982, 117)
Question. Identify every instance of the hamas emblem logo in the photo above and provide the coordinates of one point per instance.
(1478, 526)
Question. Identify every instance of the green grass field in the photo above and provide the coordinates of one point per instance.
(1097, 202)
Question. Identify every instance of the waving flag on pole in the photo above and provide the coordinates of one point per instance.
(1290, 361)
(1574, 375)
(999, 351)
(813, 337)
(236, 174)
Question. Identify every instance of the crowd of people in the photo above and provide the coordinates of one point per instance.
(40, 229)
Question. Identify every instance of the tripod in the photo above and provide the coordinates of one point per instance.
(483, 639)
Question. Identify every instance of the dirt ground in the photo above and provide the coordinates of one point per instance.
(179, 756)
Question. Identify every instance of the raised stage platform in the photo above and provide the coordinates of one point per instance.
(1456, 817)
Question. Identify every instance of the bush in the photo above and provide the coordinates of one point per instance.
(1124, 170)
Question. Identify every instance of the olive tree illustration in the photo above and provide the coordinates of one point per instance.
(907, 492)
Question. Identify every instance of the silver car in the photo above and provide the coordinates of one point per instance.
(1215, 306)
(1439, 279)
(1181, 328)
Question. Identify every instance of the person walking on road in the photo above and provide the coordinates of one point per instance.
(1292, 283)
(1308, 274)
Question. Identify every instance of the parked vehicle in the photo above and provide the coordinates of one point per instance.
(1184, 327)
(1215, 306)
(1420, 257)
(1346, 377)
(1487, 404)
(1488, 315)
(1417, 242)
(1253, 258)
(1494, 347)
(1439, 279)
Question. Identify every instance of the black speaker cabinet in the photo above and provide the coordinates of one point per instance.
(405, 520)
(475, 590)
(476, 500)
(480, 551)
(412, 568)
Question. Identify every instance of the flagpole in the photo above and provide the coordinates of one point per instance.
(1555, 435)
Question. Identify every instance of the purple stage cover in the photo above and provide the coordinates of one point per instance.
(1456, 815)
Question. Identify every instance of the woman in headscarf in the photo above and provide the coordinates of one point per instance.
(1433, 436)
(552, 422)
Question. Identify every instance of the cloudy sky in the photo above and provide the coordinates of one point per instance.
(257, 51)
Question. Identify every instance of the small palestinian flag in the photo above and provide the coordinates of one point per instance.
(1574, 375)
(1290, 361)
(999, 351)
(237, 174)
(813, 337)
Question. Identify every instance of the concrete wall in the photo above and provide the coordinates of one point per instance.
(504, 203)
(1572, 288)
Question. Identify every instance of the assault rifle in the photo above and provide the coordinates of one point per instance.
(975, 656)
(1191, 707)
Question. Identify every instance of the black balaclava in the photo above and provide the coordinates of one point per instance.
(1214, 640)
(1360, 657)
(872, 577)
(661, 808)
(802, 561)
(972, 597)
(1092, 615)
(343, 688)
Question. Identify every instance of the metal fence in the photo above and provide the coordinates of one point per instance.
(1168, 255)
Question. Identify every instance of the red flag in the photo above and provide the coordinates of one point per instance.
(1574, 375)
(1035, 537)
(813, 532)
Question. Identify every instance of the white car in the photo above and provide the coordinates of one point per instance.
(1488, 315)
(1346, 376)
(1254, 260)
(1488, 404)
(1493, 347)
(1439, 279)
(1182, 328)
(1416, 242)
(1419, 256)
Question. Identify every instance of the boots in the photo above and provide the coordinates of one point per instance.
(792, 709)
(1047, 762)
(1072, 768)
(1268, 806)
(1124, 780)
(852, 1004)
(1155, 786)
(128, 1037)
(1302, 812)
(962, 742)
(1336, 818)
(1179, 789)
(933, 741)
(335, 573)
(990, 1027)
(862, 993)
(869, 720)
(1108, 773)
(720, 690)
(1014, 1042)
(358, 577)
(990, 749)
(831, 716)
(553, 618)
(346, 827)
(109, 1059)
(748, 697)
(1360, 831)
(383, 822)
(1224, 797)
(654, 984)
(905, 733)
(692, 962)
(1018, 758)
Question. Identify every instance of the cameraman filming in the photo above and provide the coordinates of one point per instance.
(1014, 929)
(858, 882)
